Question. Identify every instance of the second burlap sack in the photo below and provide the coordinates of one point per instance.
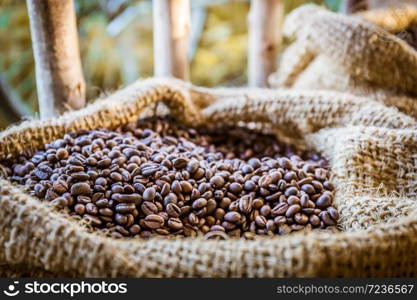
(363, 54)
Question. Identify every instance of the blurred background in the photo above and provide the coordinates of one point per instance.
(116, 47)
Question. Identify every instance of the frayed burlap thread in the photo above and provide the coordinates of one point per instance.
(351, 54)
(371, 149)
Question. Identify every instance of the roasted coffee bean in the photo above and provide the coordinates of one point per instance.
(245, 204)
(180, 163)
(79, 209)
(260, 221)
(325, 216)
(235, 187)
(132, 198)
(217, 181)
(186, 187)
(60, 202)
(60, 186)
(308, 188)
(334, 214)
(175, 223)
(265, 181)
(232, 217)
(292, 210)
(80, 176)
(173, 210)
(199, 203)
(265, 210)
(149, 194)
(125, 207)
(91, 209)
(293, 200)
(170, 198)
(314, 220)
(120, 219)
(291, 191)
(80, 188)
(149, 208)
(279, 209)
(249, 185)
(301, 219)
(323, 201)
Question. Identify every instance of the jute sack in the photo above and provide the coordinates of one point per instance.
(371, 149)
(359, 54)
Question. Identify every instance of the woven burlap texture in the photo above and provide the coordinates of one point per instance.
(351, 54)
(371, 149)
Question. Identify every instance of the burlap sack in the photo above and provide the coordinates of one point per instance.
(371, 149)
(350, 54)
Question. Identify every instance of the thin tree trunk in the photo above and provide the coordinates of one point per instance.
(171, 24)
(59, 78)
(265, 19)
(353, 6)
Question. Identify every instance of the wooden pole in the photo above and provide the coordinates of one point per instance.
(59, 78)
(353, 6)
(265, 18)
(171, 25)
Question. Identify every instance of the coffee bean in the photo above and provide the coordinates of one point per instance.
(170, 198)
(265, 210)
(278, 220)
(291, 191)
(173, 210)
(105, 212)
(79, 209)
(245, 204)
(217, 181)
(328, 185)
(265, 181)
(80, 188)
(175, 223)
(232, 217)
(334, 214)
(186, 187)
(325, 216)
(149, 194)
(120, 219)
(149, 208)
(60, 186)
(308, 188)
(134, 229)
(125, 207)
(301, 219)
(260, 221)
(62, 153)
(279, 209)
(314, 220)
(132, 198)
(80, 176)
(249, 185)
(180, 163)
(60, 202)
(116, 176)
(292, 210)
(235, 187)
(91, 209)
(323, 201)
(199, 203)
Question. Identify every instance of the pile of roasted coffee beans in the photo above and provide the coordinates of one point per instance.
(157, 177)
